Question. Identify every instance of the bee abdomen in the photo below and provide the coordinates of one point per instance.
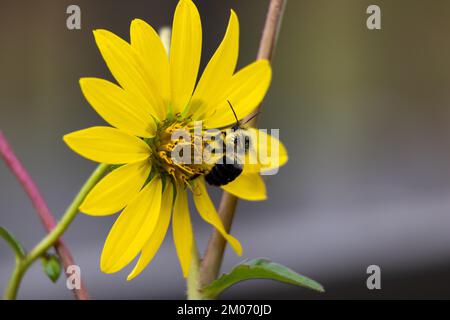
(223, 173)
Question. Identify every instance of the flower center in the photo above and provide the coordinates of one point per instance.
(177, 150)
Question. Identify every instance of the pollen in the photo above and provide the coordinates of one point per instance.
(173, 138)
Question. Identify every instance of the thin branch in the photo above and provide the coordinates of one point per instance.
(212, 260)
(213, 257)
(271, 29)
(41, 207)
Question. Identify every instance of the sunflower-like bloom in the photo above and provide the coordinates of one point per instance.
(154, 97)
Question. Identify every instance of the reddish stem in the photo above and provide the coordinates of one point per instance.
(41, 207)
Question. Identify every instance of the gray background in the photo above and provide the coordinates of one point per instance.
(363, 113)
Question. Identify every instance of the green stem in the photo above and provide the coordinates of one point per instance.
(15, 245)
(49, 240)
(193, 280)
(14, 281)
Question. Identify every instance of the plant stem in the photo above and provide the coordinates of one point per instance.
(271, 29)
(213, 257)
(14, 281)
(50, 239)
(42, 209)
(193, 281)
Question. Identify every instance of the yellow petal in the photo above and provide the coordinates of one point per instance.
(116, 190)
(154, 242)
(269, 153)
(185, 52)
(182, 230)
(248, 186)
(245, 92)
(154, 59)
(132, 229)
(118, 107)
(208, 212)
(125, 65)
(107, 145)
(217, 75)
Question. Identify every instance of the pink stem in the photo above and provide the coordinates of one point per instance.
(41, 207)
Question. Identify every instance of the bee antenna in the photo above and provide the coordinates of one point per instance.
(252, 117)
(234, 113)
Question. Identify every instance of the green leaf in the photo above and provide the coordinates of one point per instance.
(259, 269)
(15, 245)
(51, 266)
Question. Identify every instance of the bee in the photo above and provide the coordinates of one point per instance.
(227, 170)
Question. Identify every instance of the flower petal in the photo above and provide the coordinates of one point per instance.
(182, 230)
(154, 59)
(107, 145)
(245, 92)
(125, 65)
(116, 190)
(268, 154)
(248, 186)
(133, 228)
(185, 52)
(208, 212)
(217, 75)
(118, 107)
(154, 242)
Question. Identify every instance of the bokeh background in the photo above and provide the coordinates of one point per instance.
(365, 116)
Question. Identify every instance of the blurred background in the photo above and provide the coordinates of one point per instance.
(365, 116)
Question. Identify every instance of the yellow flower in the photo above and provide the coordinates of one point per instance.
(155, 97)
